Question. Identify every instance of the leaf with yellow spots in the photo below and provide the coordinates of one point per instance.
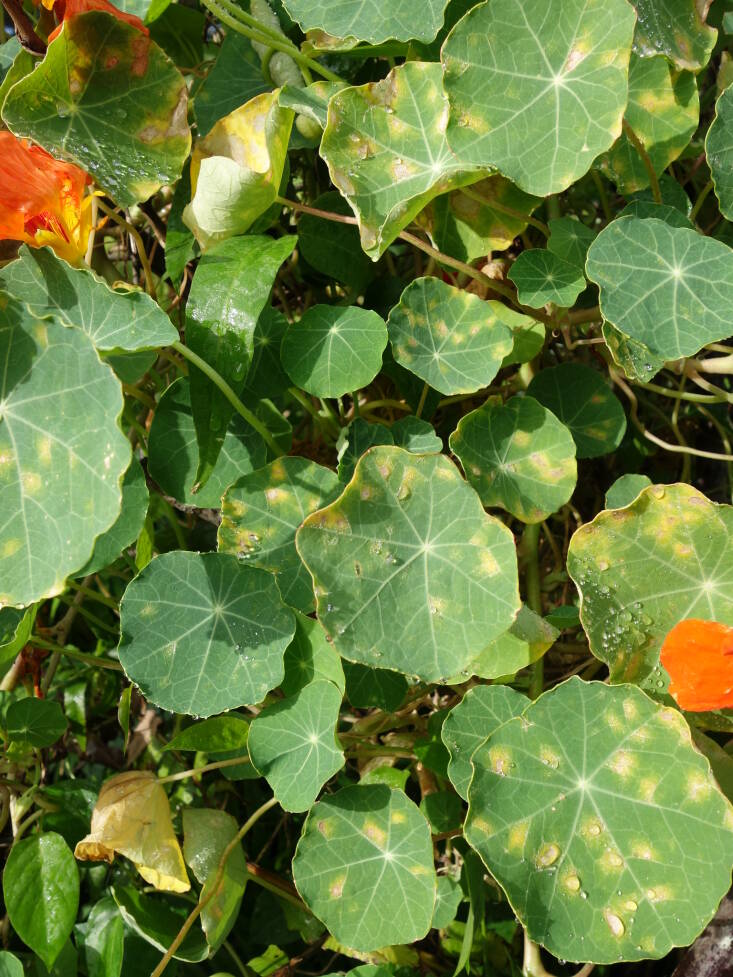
(364, 866)
(676, 29)
(642, 569)
(602, 823)
(719, 151)
(132, 818)
(518, 456)
(385, 147)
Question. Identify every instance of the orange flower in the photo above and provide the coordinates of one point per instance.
(66, 9)
(699, 658)
(42, 199)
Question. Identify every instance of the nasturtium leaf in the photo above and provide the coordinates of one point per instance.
(450, 338)
(673, 194)
(201, 633)
(16, 625)
(527, 640)
(62, 455)
(132, 818)
(355, 440)
(38, 722)
(416, 435)
(447, 900)
(602, 823)
(105, 93)
(528, 335)
(333, 248)
(570, 239)
(10, 966)
(719, 151)
(364, 866)
(157, 919)
(333, 350)
(266, 377)
(127, 527)
(479, 713)
(261, 512)
(663, 112)
(215, 735)
(101, 939)
(669, 288)
(676, 29)
(293, 744)
(642, 568)
(41, 892)
(541, 276)
(444, 811)
(636, 360)
(538, 88)
(580, 397)
(410, 573)
(373, 21)
(518, 456)
(173, 454)
(127, 320)
(625, 489)
(236, 169)
(664, 212)
(374, 688)
(312, 100)
(230, 289)
(206, 833)
(235, 78)
(310, 658)
(386, 150)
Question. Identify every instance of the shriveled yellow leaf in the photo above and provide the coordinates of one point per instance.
(132, 817)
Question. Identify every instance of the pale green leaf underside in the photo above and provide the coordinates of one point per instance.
(77, 297)
(386, 150)
(719, 151)
(667, 287)
(518, 456)
(636, 360)
(479, 713)
(262, 511)
(538, 87)
(202, 634)
(643, 568)
(370, 20)
(293, 744)
(450, 338)
(62, 455)
(103, 93)
(410, 573)
(541, 276)
(364, 865)
(676, 29)
(602, 823)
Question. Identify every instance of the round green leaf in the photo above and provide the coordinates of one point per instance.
(41, 891)
(625, 489)
(416, 435)
(100, 939)
(541, 276)
(448, 899)
(215, 735)
(266, 377)
(293, 744)
(62, 455)
(676, 29)
(719, 151)
(583, 401)
(518, 456)
(374, 688)
(173, 453)
(373, 21)
(310, 658)
(333, 350)
(643, 568)
(667, 287)
(10, 966)
(127, 527)
(665, 212)
(364, 866)
(450, 338)
(261, 512)
(570, 239)
(479, 713)
(332, 248)
(410, 573)
(355, 440)
(602, 823)
(105, 93)
(38, 722)
(538, 88)
(235, 78)
(202, 634)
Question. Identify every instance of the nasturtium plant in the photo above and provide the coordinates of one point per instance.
(366, 589)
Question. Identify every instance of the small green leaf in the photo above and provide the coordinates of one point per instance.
(625, 489)
(570, 239)
(374, 688)
(669, 288)
(525, 642)
(579, 808)
(16, 625)
(364, 866)
(583, 401)
(311, 101)
(157, 919)
(541, 276)
(635, 359)
(127, 527)
(100, 939)
(215, 735)
(10, 966)
(538, 89)
(479, 713)
(374, 22)
(448, 899)
(235, 78)
(293, 744)
(518, 456)
(451, 339)
(398, 558)
(443, 810)
(416, 435)
(38, 722)
(104, 92)
(266, 377)
(664, 212)
(355, 439)
(719, 151)
(310, 658)
(333, 248)
(202, 634)
(41, 892)
(332, 350)
(676, 29)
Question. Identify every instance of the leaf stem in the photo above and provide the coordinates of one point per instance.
(701, 198)
(646, 160)
(78, 655)
(423, 398)
(140, 247)
(206, 768)
(324, 422)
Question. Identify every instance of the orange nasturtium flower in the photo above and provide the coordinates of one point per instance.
(66, 9)
(42, 200)
(699, 658)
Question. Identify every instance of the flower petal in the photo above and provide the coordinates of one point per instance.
(699, 658)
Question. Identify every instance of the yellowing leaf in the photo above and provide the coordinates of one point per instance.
(132, 817)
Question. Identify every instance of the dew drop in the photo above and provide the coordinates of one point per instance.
(547, 855)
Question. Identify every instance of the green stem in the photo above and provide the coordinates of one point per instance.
(646, 160)
(423, 398)
(325, 423)
(207, 768)
(701, 198)
(77, 655)
(533, 591)
(236, 403)
(602, 195)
